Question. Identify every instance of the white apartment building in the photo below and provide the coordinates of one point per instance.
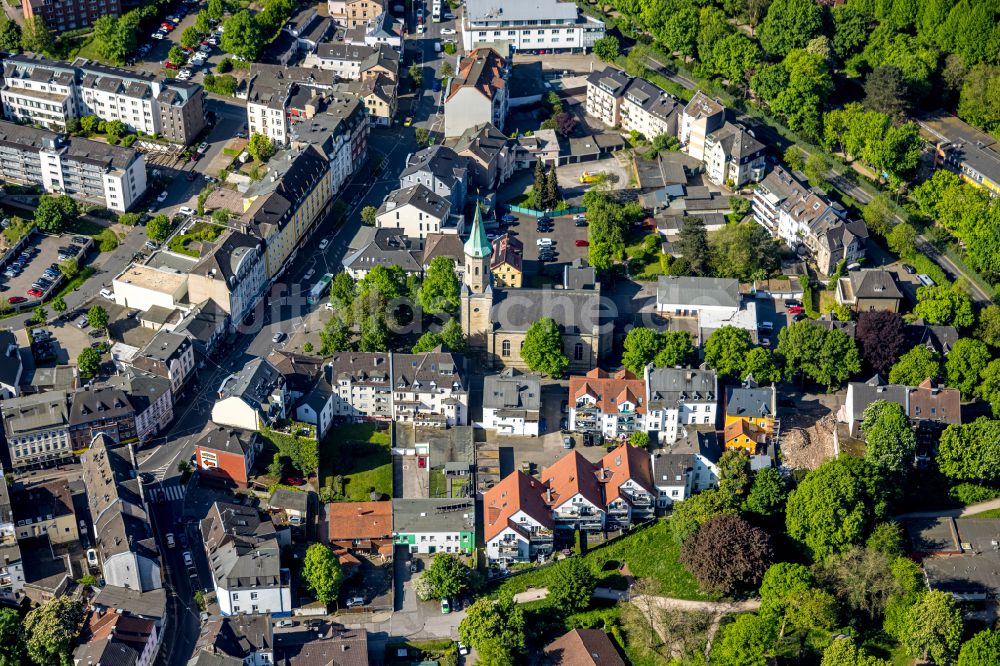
(233, 274)
(702, 116)
(50, 93)
(529, 26)
(679, 397)
(278, 96)
(344, 60)
(150, 397)
(253, 398)
(416, 211)
(733, 156)
(112, 176)
(688, 466)
(435, 525)
(517, 524)
(512, 403)
(611, 403)
(478, 93)
(37, 429)
(11, 567)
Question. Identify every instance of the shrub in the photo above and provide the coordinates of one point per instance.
(972, 493)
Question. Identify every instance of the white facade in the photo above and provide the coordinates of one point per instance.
(577, 509)
(511, 545)
(140, 114)
(521, 424)
(413, 221)
(133, 571)
(47, 103)
(271, 122)
(548, 24)
(276, 600)
(234, 411)
(468, 107)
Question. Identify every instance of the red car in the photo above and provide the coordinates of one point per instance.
(582, 243)
(170, 65)
(167, 26)
(296, 481)
(35, 292)
(14, 300)
(794, 309)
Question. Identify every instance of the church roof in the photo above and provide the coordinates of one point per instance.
(478, 246)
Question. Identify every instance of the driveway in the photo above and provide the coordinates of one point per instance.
(564, 235)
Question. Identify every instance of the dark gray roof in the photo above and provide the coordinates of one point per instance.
(286, 498)
(484, 141)
(938, 338)
(98, 404)
(669, 387)
(513, 389)
(579, 275)
(165, 346)
(698, 441)
(254, 383)
(344, 51)
(574, 311)
(436, 367)
(336, 646)
(226, 255)
(228, 440)
(698, 291)
(388, 247)
(151, 604)
(737, 141)
(755, 402)
(874, 283)
(10, 359)
(670, 469)
(96, 153)
(271, 85)
(142, 389)
(33, 412)
(239, 636)
(440, 161)
(433, 515)
(243, 549)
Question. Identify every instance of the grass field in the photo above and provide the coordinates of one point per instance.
(359, 453)
(649, 553)
(991, 513)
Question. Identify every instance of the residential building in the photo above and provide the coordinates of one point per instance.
(507, 262)
(11, 566)
(869, 290)
(427, 389)
(278, 96)
(101, 410)
(116, 638)
(702, 116)
(63, 15)
(168, 355)
(439, 169)
(252, 398)
(112, 176)
(445, 245)
(417, 211)
(11, 365)
(605, 91)
(517, 523)
(308, 28)
(490, 155)
(379, 93)
(677, 398)
(583, 647)
(688, 466)
(205, 325)
(548, 25)
(333, 646)
(351, 61)
(142, 286)
(751, 416)
(244, 553)
(340, 133)
(938, 339)
(363, 527)
(633, 104)
(496, 320)
(316, 406)
(36, 428)
(123, 534)
(437, 525)
(46, 509)
(286, 205)
(351, 13)
(51, 93)
(383, 30)
(800, 216)
(478, 92)
(233, 274)
(227, 454)
(626, 478)
(969, 152)
(573, 493)
(151, 400)
(611, 403)
(927, 405)
(512, 403)
(390, 246)
(294, 504)
(243, 639)
(733, 156)
(958, 556)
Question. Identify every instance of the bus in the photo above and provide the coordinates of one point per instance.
(319, 289)
(436, 11)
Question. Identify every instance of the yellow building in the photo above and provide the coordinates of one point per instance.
(284, 206)
(506, 262)
(751, 415)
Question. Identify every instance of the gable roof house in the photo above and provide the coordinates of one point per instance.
(688, 466)
(573, 493)
(441, 170)
(626, 475)
(489, 154)
(123, 534)
(583, 647)
(385, 247)
(611, 403)
(517, 523)
(227, 454)
(101, 410)
(244, 555)
(116, 639)
(478, 93)
(416, 211)
(252, 398)
(929, 406)
(365, 527)
(869, 290)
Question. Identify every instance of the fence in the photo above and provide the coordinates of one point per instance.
(549, 213)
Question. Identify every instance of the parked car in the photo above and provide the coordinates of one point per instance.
(355, 602)
(35, 293)
(82, 322)
(544, 242)
(910, 270)
(170, 65)
(447, 31)
(278, 337)
(296, 481)
(170, 540)
(285, 623)
(579, 216)
(188, 560)
(14, 300)
(567, 442)
(582, 243)
(108, 294)
(186, 211)
(445, 606)
(162, 196)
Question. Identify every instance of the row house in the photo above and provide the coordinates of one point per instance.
(517, 523)
(120, 638)
(416, 212)
(340, 134)
(123, 535)
(611, 403)
(491, 157)
(801, 216)
(252, 398)
(11, 565)
(688, 466)
(478, 93)
(439, 169)
(168, 355)
(631, 103)
(277, 96)
(227, 454)
(930, 407)
(112, 176)
(751, 421)
(105, 410)
(353, 61)
(36, 428)
(151, 400)
(232, 274)
(679, 398)
(52, 93)
(46, 510)
(434, 525)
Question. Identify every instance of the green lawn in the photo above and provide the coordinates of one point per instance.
(650, 553)
(992, 513)
(360, 453)
(439, 485)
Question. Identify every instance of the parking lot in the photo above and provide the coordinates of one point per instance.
(45, 251)
(152, 56)
(564, 234)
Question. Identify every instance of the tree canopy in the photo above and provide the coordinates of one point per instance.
(726, 350)
(322, 573)
(971, 452)
(543, 348)
(890, 442)
(447, 576)
(52, 630)
(727, 554)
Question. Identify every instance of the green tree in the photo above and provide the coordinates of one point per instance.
(97, 317)
(692, 242)
(945, 305)
(422, 137)
(640, 347)
(886, 538)
(190, 37)
(427, 342)
(934, 628)
(607, 48)
(202, 22)
(551, 199)
(10, 35)
(965, 364)
(745, 642)
(374, 334)
(815, 169)
(734, 476)
(215, 9)
(39, 315)
(177, 55)
(879, 215)
(543, 348)
(538, 189)
(760, 363)
(886, 91)
(59, 304)
(322, 573)
(452, 336)
(368, 215)
(782, 582)
(55, 213)
(980, 650)
(439, 292)
(447, 576)
(13, 651)
(980, 97)
(903, 240)
(838, 359)
(844, 652)
(890, 443)
(833, 507)
(915, 366)
(572, 585)
(497, 623)
(989, 388)
(36, 36)
(242, 36)
(260, 147)
(744, 251)
(693, 512)
(988, 329)
(768, 493)
(735, 57)
(89, 124)
(639, 439)
(52, 629)
(971, 452)
(88, 362)
(726, 350)
(416, 75)
(676, 349)
(158, 228)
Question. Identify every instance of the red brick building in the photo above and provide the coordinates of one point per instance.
(62, 15)
(227, 454)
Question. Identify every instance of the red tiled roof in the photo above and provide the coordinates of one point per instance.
(570, 475)
(610, 389)
(624, 463)
(583, 647)
(359, 520)
(517, 492)
(481, 69)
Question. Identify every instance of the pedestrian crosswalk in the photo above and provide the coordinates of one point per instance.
(161, 472)
(171, 491)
